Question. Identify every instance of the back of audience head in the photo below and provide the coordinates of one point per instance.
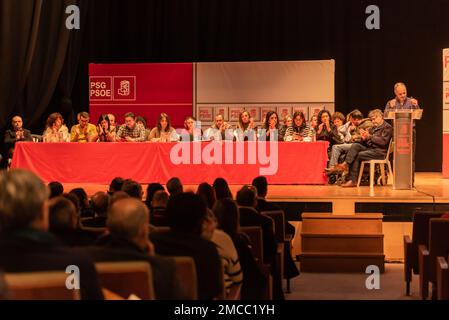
(132, 188)
(62, 215)
(247, 196)
(222, 189)
(81, 194)
(209, 225)
(261, 185)
(207, 193)
(116, 185)
(100, 203)
(160, 199)
(128, 219)
(152, 188)
(186, 213)
(23, 201)
(74, 199)
(174, 186)
(228, 216)
(118, 196)
(56, 189)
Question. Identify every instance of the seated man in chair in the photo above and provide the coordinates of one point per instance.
(17, 133)
(374, 145)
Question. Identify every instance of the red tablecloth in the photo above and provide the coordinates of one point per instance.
(291, 163)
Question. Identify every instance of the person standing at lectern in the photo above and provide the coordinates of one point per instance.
(402, 102)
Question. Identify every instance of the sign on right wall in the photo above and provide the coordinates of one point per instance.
(445, 113)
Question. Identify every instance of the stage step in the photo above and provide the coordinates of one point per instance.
(332, 262)
(327, 223)
(341, 243)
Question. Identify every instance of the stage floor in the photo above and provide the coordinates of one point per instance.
(430, 187)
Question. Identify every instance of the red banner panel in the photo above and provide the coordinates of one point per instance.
(192, 162)
(147, 89)
(446, 155)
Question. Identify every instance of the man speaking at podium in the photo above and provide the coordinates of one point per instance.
(402, 102)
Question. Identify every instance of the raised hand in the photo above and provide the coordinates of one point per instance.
(392, 103)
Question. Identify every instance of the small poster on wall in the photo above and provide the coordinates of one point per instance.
(314, 110)
(205, 114)
(283, 111)
(223, 111)
(254, 113)
(446, 95)
(234, 113)
(330, 107)
(264, 110)
(303, 108)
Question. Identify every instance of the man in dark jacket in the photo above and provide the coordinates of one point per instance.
(25, 244)
(261, 184)
(374, 145)
(247, 201)
(128, 240)
(186, 214)
(17, 133)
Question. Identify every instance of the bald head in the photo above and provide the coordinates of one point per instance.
(100, 203)
(400, 91)
(17, 122)
(218, 120)
(128, 218)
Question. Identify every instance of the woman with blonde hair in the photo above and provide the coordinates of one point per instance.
(246, 130)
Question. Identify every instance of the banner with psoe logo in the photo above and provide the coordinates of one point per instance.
(445, 113)
(147, 89)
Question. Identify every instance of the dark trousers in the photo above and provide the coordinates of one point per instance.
(356, 155)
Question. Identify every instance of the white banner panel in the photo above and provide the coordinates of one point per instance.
(266, 82)
(445, 121)
(445, 95)
(446, 113)
(445, 64)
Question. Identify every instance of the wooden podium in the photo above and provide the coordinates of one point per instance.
(403, 125)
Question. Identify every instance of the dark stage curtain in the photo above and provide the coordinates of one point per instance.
(368, 62)
(33, 46)
(19, 24)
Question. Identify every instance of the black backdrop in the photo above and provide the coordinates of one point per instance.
(368, 62)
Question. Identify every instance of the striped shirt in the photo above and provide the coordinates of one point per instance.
(304, 131)
(233, 274)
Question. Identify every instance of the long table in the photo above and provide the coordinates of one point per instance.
(192, 162)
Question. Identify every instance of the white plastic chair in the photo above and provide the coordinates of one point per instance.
(372, 165)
